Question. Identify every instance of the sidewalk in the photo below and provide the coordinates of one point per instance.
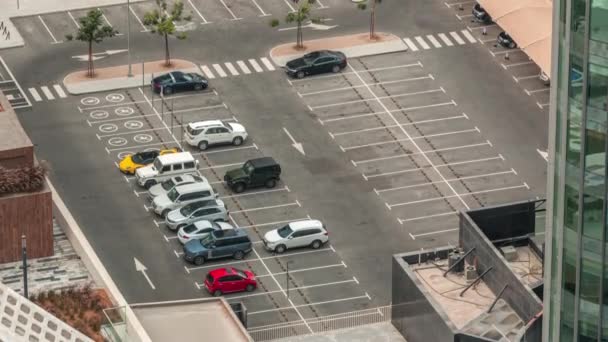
(380, 332)
(355, 45)
(114, 78)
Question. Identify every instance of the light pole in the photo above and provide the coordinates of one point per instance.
(24, 257)
(130, 73)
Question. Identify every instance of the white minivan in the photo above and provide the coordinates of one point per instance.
(165, 167)
(304, 233)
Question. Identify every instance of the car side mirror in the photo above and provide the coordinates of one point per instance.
(289, 237)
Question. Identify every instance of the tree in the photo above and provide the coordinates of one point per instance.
(372, 16)
(300, 15)
(163, 23)
(92, 30)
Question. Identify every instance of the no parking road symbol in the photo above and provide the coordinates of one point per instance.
(134, 124)
(117, 141)
(115, 97)
(89, 101)
(143, 138)
(99, 114)
(124, 111)
(108, 128)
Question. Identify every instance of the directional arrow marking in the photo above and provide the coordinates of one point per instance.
(543, 154)
(298, 146)
(139, 267)
(317, 27)
(98, 55)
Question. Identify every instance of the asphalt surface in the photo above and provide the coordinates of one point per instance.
(395, 145)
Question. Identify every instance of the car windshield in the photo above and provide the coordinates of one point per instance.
(239, 272)
(188, 77)
(137, 159)
(189, 229)
(285, 231)
(187, 210)
(157, 164)
(227, 125)
(168, 184)
(248, 168)
(309, 58)
(173, 195)
(207, 241)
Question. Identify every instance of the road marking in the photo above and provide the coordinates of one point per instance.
(410, 44)
(255, 65)
(106, 20)
(517, 79)
(379, 98)
(264, 14)
(457, 38)
(293, 288)
(361, 85)
(414, 236)
(393, 126)
(273, 223)
(160, 118)
(197, 12)
(231, 68)
(356, 116)
(145, 29)
(303, 305)
(433, 40)
(55, 41)
(59, 91)
(391, 173)
(74, 20)
(267, 64)
(208, 73)
(530, 92)
(134, 132)
(506, 66)
(290, 7)
(422, 43)
(267, 207)
(427, 217)
(35, 94)
(311, 79)
(219, 70)
(255, 193)
(243, 67)
(507, 51)
(303, 270)
(542, 105)
(469, 36)
(407, 139)
(234, 17)
(512, 171)
(47, 92)
(230, 149)
(445, 39)
(364, 161)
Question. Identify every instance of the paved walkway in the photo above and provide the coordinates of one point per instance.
(380, 332)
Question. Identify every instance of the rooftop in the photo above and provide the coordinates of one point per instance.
(13, 135)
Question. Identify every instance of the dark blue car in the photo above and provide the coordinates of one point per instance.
(178, 81)
(231, 243)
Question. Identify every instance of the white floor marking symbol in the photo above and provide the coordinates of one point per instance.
(255, 65)
(90, 101)
(35, 94)
(47, 93)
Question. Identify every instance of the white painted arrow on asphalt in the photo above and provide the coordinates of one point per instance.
(139, 267)
(543, 154)
(98, 55)
(317, 27)
(298, 146)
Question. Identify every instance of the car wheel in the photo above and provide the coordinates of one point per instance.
(250, 288)
(165, 213)
(336, 68)
(512, 45)
(203, 145)
(238, 255)
(199, 260)
(237, 141)
(217, 293)
(271, 183)
(149, 183)
(316, 244)
(280, 249)
(167, 90)
(198, 86)
(238, 188)
(180, 226)
(300, 74)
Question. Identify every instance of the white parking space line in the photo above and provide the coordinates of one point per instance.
(293, 288)
(55, 41)
(408, 139)
(306, 305)
(542, 105)
(243, 67)
(219, 166)
(154, 114)
(107, 21)
(398, 125)
(293, 204)
(505, 51)
(275, 223)
(414, 236)
(145, 29)
(480, 27)
(255, 193)
(321, 6)
(255, 65)
(264, 14)
(161, 119)
(457, 179)
(289, 5)
(47, 92)
(445, 39)
(433, 40)
(219, 70)
(312, 79)
(342, 264)
(135, 131)
(507, 66)
(222, 150)
(197, 12)
(35, 94)
(59, 91)
(371, 84)
(356, 116)
(267, 64)
(379, 98)
(410, 44)
(234, 17)
(427, 217)
(231, 68)
(458, 195)
(517, 79)
(422, 43)
(74, 20)
(365, 161)
(208, 73)
(457, 38)
(469, 36)
(534, 91)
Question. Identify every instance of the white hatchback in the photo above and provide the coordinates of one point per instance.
(200, 229)
(203, 134)
(305, 233)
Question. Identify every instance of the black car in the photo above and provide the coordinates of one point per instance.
(254, 173)
(178, 81)
(317, 62)
(505, 40)
(480, 14)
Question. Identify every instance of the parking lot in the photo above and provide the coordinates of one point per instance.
(410, 141)
(296, 286)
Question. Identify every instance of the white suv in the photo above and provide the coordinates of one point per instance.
(213, 132)
(296, 234)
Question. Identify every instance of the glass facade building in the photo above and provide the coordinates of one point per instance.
(576, 268)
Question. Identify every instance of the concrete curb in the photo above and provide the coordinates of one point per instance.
(361, 50)
(135, 331)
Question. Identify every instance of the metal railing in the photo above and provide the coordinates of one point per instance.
(321, 324)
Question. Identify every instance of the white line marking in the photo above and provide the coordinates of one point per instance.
(511, 51)
(371, 84)
(254, 193)
(379, 98)
(448, 180)
(398, 125)
(408, 139)
(243, 67)
(74, 20)
(311, 79)
(219, 70)
(517, 79)
(230, 149)
(293, 288)
(208, 73)
(255, 65)
(267, 64)
(422, 43)
(427, 217)
(266, 208)
(481, 27)
(303, 270)
(59, 91)
(435, 232)
(304, 305)
(290, 7)
(145, 29)
(356, 116)
(264, 14)
(47, 92)
(433, 40)
(506, 66)
(35, 94)
(231, 68)
(234, 17)
(48, 30)
(197, 12)
(160, 118)
(457, 38)
(469, 36)
(418, 153)
(410, 44)
(445, 39)
(272, 223)
(284, 255)
(537, 90)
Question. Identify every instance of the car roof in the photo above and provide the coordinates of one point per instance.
(263, 161)
(207, 203)
(186, 178)
(220, 272)
(297, 225)
(179, 157)
(207, 123)
(219, 234)
(203, 224)
(192, 187)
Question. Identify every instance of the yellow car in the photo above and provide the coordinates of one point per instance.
(132, 162)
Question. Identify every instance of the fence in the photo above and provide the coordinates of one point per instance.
(321, 324)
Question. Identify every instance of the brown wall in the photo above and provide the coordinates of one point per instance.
(30, 214)
(16, 158)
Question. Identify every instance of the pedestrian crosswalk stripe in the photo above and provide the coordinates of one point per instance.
(59, 91)
(445, 39)
(219, 70)
(422, 43)
(433, 41)
(457, 38)
(243, 67)
(410, 44)
(47, 93)
(207, 72)
(255, 65)
(231, 68)
(35, 94)
(469, 36)
(267, 63)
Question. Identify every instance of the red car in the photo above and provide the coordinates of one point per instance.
(226, 280)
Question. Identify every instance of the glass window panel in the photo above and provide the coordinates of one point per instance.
(591, 272)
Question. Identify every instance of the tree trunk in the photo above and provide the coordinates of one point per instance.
(299, 35)
(372, 21)
(167, 56)
(90, 71)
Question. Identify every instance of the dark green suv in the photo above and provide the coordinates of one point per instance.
(254, 173)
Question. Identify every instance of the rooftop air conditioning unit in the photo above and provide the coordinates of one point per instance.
(470, 273)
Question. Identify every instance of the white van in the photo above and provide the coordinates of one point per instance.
(165, 167)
